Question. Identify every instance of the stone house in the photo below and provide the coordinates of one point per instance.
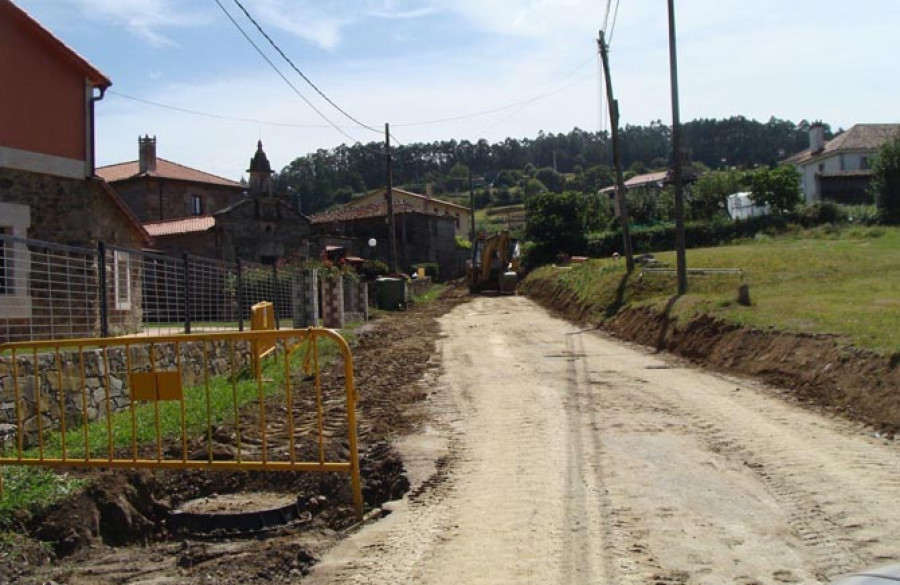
(461, 216)
(260, 227)
(421, 235)
(48, 190)
(841, 169)
(156, 189)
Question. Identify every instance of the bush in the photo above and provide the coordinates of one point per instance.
(886, 181)
(819, 213)
(463, 243)
(372, 269)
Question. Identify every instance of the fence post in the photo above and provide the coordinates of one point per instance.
(187, 293)
(275, 292)
(240, 295)
(101, 285)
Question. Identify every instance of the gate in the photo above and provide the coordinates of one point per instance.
(202, 401)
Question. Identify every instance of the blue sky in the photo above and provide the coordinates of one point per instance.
(415, 62)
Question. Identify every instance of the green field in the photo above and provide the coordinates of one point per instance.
(844, 282)
(494, 219)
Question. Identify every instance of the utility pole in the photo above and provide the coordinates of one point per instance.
(680, 256)
(617, 156)
(471, 208)
(392, 231)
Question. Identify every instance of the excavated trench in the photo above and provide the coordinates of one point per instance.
(148, 516)
(822, 371)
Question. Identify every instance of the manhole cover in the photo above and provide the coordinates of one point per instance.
(235, 514)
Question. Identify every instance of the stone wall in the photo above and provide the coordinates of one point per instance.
(75, 213)
(69, 211)
(143, 195)
(58, 386)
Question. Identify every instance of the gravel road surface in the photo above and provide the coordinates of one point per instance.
(558, 455)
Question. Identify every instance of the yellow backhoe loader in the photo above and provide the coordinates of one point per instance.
(494, 264)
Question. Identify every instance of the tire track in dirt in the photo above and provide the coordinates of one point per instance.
(571, 458)
(823, 474)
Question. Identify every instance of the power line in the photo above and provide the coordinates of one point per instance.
(297, 69)
(606, 15)
(280, 74)
(612, 27)
(497, 109)
(521, 105)
(213, 115)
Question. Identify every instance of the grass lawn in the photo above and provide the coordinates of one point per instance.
(845, 282)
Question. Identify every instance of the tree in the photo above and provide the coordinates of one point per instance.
(551, 179)
(532, 187)
(557, 222)
(710, 193)
(886, 181)
(778, 188)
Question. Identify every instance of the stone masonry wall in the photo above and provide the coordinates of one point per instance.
(58, 387)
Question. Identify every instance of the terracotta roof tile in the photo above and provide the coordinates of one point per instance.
(373, 194)
(858, 137)
(366, 211)
(164, 170)
(184, 225)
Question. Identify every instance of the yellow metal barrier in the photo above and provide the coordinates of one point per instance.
(262, 318)
(181, 402)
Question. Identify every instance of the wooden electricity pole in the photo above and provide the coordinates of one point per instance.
(680, 256)
(392, 231)
(617, 156)
(471, 208)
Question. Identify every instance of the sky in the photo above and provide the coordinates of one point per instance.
(461, 69)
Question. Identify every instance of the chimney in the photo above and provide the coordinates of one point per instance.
(816, 138)
(429, 190)
(146, 154)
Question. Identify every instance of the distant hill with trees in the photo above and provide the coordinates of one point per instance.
(513, 170)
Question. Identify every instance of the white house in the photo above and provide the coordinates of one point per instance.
(840, 169)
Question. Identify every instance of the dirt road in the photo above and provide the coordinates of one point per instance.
(560, 456)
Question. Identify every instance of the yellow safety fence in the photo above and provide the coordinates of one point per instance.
(202, 401)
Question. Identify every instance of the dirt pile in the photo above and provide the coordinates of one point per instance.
(116, 526)
(820, 370)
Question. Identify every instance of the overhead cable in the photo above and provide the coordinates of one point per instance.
(212, 115)
(280, 74)
(297, 69)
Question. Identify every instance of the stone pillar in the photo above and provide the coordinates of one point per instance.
(333, 302)
(305, 299)
(362, 293)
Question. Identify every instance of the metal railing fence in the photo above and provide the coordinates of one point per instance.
(53, 291)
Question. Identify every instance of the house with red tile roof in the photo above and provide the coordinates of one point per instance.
(156, 189)
(422, 235)
(48, 189)
(841, 169)
(259, 227)
(461, 215)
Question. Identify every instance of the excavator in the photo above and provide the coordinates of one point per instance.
(495, 263)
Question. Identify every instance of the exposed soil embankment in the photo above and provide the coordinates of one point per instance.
(817, 369)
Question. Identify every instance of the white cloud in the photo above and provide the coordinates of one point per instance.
(145, 19)
(324, 23)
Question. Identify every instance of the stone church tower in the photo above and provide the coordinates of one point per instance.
(260, 173)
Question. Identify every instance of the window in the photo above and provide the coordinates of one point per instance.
(864, 163)
(196, 204)
(15, 261)
(6, 274)
(122, 280)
